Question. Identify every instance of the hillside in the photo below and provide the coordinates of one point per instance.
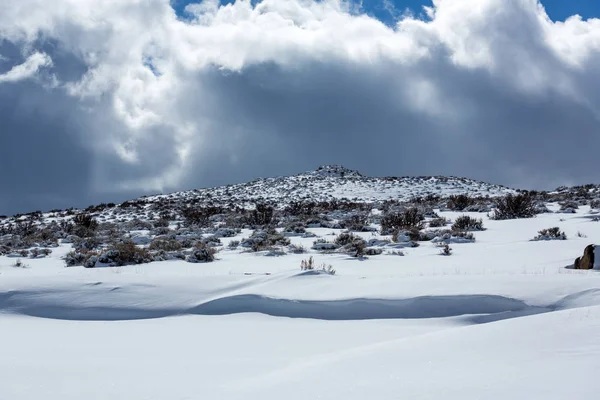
(331, 182)
(420, 288)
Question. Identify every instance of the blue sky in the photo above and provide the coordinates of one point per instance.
(556, 9)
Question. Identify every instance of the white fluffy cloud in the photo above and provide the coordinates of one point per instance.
(28, 69)
(162, 99)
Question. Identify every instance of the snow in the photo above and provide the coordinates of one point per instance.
(336, 182)
(501, 318)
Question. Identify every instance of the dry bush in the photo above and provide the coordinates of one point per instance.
(262, 215)
(466, 223)
(199, 216)
(202, 253)
(344, 239)
(161, 223)
(446, 250)
(296, 249)
(265, 239)
(410, 218)
(356, 248)
(85, 225)
(551, 234)
(459, 202)
(511, 206)
(79, 258)
(355, 223)
(438, 222)
(125, 253)
(297, 227)
(301, 209)
(165, 244)
(307, 265)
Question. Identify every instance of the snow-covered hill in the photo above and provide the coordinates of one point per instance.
(499, 318)
(336, 182)
(434, 310)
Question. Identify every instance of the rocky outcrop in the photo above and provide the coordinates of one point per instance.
(587, 261)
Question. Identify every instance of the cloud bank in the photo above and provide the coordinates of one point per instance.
(103, 99)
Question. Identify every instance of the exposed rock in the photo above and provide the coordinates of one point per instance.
(141, 239)
(587, 261)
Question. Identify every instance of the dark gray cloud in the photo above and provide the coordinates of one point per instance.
(42, 162)
(295, 120)
(129, 108)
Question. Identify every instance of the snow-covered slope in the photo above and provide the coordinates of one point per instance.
(501, 318)
(336, 182)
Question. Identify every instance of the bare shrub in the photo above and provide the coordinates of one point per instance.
(395, 253)
(328, 268)
(449, 236)
(79, 258)
(301, 209)
(355, 223)
(466, 223)
(137, 224)
(438, 222)
(226, 232)
(446, 250)
(199, 216)
(344, 239)
(408, 219)
(262, 215)
(125, 253)
(459, 202)
(550, 234)
(511, 206)
(165, 244)
(323, 245)
(297, 228)
(202, 253)
(161, 223)
(87, 243)
(85, 221)
(356, 248)
(264, 239)
(307, 265)
(569, 206)
(85, 225)
(373, 251)
(296, 249)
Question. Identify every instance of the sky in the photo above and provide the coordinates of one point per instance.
(104, 101)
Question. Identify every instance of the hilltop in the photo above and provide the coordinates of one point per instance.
(334, 182)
